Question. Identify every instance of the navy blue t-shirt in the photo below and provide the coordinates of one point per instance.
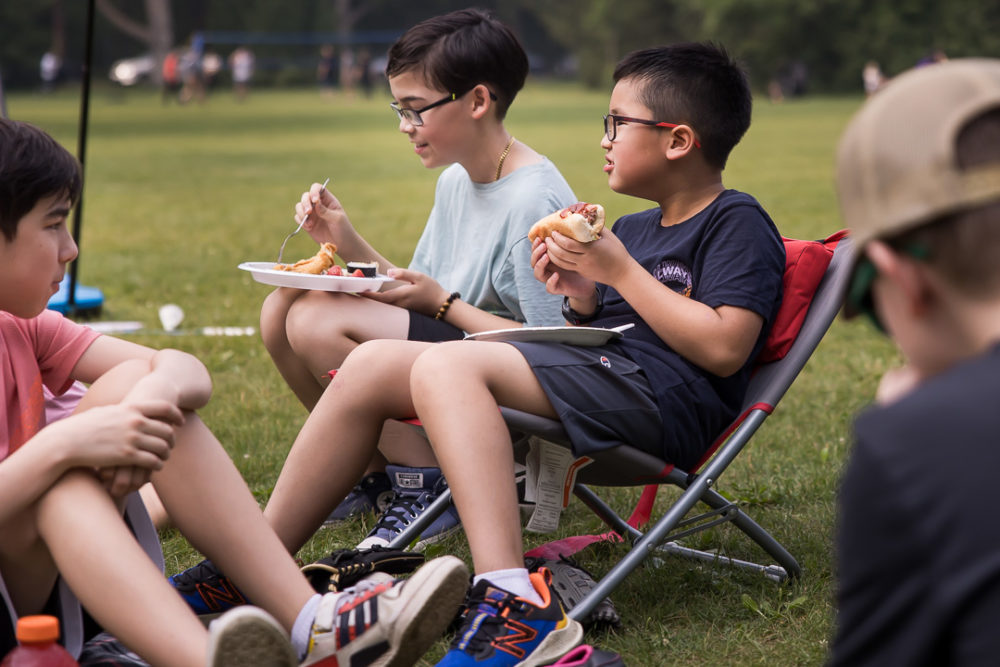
(730, 253)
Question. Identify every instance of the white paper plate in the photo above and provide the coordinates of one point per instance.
(264, 272)
(571, 335)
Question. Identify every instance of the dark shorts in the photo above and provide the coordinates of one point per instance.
(602, 397)
(428, 329)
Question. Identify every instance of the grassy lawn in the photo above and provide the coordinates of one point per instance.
(176, 197)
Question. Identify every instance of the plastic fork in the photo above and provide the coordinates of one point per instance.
(281, 250)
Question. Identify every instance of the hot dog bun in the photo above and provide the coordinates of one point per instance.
(581, 221)
(318, 263)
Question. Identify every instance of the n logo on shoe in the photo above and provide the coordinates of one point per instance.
(512, 641)
(224, 596)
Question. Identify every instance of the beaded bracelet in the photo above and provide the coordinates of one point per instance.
(446, 305)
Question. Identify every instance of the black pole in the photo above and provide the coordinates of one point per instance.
(81, 152)
(3, 100)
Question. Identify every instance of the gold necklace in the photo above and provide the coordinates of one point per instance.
(503, 156)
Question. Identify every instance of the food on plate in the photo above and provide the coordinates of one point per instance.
(367, 269)
(316, 264)
(581, 221)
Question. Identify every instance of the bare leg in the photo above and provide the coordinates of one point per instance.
(456, 388)
(338, 440)
(310, 333)
(211, 505)
(273, 315)
(113, 577)
(154, 506)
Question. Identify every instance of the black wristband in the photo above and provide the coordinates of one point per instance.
(574, 317)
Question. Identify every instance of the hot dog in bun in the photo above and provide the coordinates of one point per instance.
(581, 221)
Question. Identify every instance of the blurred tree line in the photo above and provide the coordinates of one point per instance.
(815, 46)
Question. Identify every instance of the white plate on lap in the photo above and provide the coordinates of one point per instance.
(571, 335)
(264, 272)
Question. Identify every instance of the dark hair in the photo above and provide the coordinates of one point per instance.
(964, 246)
(694, 84)
(460, 50)
(32, 166)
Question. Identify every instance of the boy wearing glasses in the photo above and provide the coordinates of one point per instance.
(453, 78)
(699, 276)
(918, 176)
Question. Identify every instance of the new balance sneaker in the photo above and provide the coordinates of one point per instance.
(372, 494)
(387, 622)
(501, 629)
(249, 636)
(207, 591)
(414, 489)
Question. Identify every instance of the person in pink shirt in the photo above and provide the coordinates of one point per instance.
(65, 484)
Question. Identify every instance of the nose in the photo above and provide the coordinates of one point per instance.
(68, 249)
(405, 126)
(605, 142)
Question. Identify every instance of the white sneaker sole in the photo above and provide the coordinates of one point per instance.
(249, 637)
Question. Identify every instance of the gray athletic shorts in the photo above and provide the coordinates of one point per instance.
(602, 397)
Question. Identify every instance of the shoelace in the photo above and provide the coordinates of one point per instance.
(362, 589)
(484, 620)
(403, 509)
(202, 573)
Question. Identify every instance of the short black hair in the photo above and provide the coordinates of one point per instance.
(696, 84)
(460, 50)
(33, 166)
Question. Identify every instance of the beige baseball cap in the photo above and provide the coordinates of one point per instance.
(896, 164)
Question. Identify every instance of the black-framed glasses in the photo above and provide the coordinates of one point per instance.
(412, 116)
(611, 125)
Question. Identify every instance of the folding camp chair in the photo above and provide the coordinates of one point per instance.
(628, 466)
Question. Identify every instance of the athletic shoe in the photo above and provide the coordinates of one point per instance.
(571, 583)
(104, 650)
(372, 494)
(414, 489)
(345, 567)
(249, 636)
(501, 629)
(206, 590)
(388, 622)
(589, 656)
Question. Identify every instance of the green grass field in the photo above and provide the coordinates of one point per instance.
(176, 197)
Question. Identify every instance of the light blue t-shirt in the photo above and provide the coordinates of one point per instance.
(476, 240)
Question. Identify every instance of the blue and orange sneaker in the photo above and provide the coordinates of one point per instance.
(207, 591)
(501, 629)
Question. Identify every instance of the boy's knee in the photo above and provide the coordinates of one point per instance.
(435, 363)
(115, 383)
(77, 488)
(302, 322)
(273, 312)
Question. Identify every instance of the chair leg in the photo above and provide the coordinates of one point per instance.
(755, 532)
(605, 513)
(410, 534)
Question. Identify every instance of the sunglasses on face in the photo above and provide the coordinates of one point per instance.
(859, 290)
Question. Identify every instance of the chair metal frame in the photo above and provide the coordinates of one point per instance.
(628, 466)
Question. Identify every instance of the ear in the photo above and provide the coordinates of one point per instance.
(481, 101)
(680, 142)
(908, 276)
